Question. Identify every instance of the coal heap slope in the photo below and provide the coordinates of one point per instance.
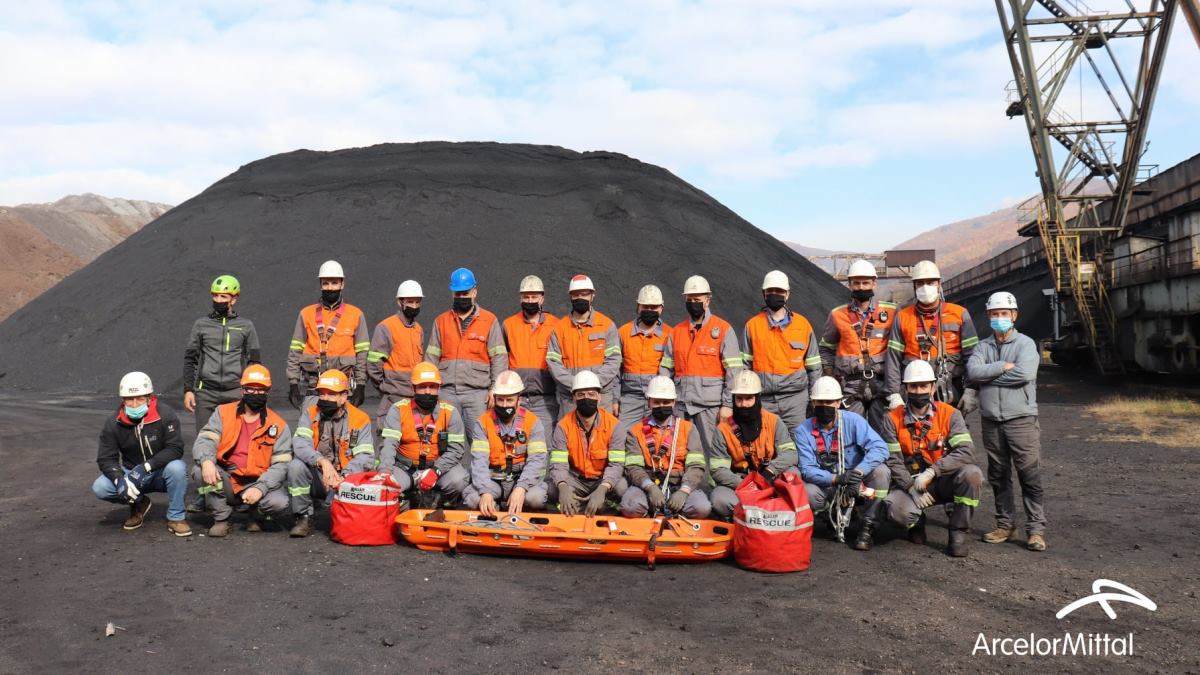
(387, 213)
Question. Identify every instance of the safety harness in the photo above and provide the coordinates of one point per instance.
(512, 439)
(659, 451)
(842, 504)
(863, 327)
(925, 343)
(425, 428)
(324, 336)
(919, 430)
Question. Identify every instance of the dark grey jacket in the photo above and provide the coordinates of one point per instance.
(218, 350)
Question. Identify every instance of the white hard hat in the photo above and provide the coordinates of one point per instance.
(409, 289)
(330, 269)
(862, 268)
(650, 295)
(776, 279)
(585, 379)
(926, 270)
(135, 384)
(581, 282)
(1002, 300)
(532, 284)
(826, 388)
(508, 382)
(661, 387)
(696, 284)
(918, 371)
(746, 382)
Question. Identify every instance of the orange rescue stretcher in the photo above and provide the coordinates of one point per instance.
(548, 535)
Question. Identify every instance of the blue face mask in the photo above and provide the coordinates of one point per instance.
(1002, 325)
(138, 412)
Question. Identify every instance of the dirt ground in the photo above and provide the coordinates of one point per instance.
(266, 603)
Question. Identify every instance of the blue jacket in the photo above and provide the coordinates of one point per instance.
(864, 449)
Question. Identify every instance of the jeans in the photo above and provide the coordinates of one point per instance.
(171, 479)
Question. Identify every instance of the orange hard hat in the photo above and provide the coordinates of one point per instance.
(333, 380)
(426, 373)
(256, 373)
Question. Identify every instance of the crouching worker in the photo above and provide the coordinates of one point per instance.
(508, 453)
(424, 440)
(664, 459)
(242, 455)
(140, 452)
(838, 449)
(932, 461)
(752, 440)
(587, 455)
(333, 440)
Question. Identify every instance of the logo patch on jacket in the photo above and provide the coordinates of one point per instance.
(716, 332)
(883, 315)
(272, 431)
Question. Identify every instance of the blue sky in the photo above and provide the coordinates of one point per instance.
(832, 123)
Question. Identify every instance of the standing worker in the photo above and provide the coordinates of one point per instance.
(396, 348)
(854, 344)
(780, 346)
(527, 335)
(1005, 366)
(467, 346)
(584, 339)
(329, 334)
(645, 353)
(508, 454)
(938, 332)
(664, 460)
(587, 456)
(707, 359)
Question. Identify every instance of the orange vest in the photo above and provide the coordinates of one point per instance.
(762, 450)
(641, 353)
(406, 344)
(471, 345)
(338, 340)
(262, 442)
(414, 443)
(929, 443)
(527, 347)
(779, 351)
(921, 339)
(502, 452)
(583, 346)
(355, 419)
(658, 460)
(589, 455)
(856, 333)
(699, 355)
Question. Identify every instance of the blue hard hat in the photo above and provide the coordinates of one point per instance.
(462, 279)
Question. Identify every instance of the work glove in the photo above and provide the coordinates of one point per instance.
(678, 499)
(923, 500)
(852, 482)
(922, 480)
(969, 402)
(595, 501)
(654, 495)
(358, 396)
(894, 401)
(568, 503)
(835, 478)
(127, 490)
(140, 476)
(296, 396)
(426, 479)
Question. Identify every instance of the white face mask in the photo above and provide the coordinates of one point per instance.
(927, 295)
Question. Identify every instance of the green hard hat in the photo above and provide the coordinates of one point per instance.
(226, 284)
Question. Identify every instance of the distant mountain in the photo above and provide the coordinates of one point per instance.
(40, 244)
(963, 244)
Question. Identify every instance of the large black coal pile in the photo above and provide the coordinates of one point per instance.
(387, 213)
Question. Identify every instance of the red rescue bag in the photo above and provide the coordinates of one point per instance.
(772, 524)
(364, 509)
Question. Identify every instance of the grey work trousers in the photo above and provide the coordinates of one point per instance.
(207, 401)
(582, 487)
(535, 497)
(705, 421)
(546, 409)
(1016, 442)
(960, 488)
(791, 408)
(878, 479)
(635, 504)
(471, 405)
(451, 484)
(220, 498)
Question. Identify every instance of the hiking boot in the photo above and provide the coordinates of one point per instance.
(302, 527)
(999, 535)
(916, 533)
(864, 540)
(179, 528)
(1036, 542)
(219, 529)
(958, 544)
(137, 513)
(253, 525)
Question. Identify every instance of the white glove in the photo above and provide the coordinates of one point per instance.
(922, 480)
(969, 402)
(894, 401)
(923, 500)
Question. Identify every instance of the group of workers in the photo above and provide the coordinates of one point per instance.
(580, 415)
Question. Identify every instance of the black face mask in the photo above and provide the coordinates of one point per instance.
(775, 301)
(825, 414)
(531, 309)
(220, 308)
(254, 402)
(662, 413)
(918, 401)
(862, 295)
(463, 305)
(749, 420)
(426, 402)
(506, 413)
(410, 313)
(330, 298)
(695, 309)
(587, 406)
(580, 306)
(648, 317)
(328, 408)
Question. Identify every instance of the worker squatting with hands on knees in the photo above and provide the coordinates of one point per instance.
(664, 460)
(508, 454)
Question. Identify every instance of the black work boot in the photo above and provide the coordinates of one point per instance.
(864, 540)
(958, 544)
(916, 533)
(302, 527)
